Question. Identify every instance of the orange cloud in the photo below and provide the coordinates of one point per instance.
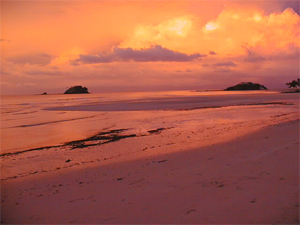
(266, 34)
(168, 33)
(224, 34)
(146, 41)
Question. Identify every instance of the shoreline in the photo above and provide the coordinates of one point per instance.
(149, 132)
(78, 118)
(251, 179)
(233, 164)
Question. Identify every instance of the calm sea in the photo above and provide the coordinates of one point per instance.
(34, 121)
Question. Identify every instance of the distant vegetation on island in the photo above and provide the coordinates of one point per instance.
(294, 85)
(77, 90)
(246, 86)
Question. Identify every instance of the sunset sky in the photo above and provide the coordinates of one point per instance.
(47, 46)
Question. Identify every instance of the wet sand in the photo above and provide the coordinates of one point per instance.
(233, 165)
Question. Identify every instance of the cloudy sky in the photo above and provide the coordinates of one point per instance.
(47, 46)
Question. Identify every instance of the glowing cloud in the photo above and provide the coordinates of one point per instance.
(104, 43)
(166, 33)
(266, 33)
(177, 26)
(210, 26)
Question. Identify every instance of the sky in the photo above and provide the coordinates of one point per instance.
(108, 46)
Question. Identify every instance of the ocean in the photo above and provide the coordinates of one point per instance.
(34, 121)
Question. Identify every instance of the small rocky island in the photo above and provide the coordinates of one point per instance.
(77, 90)
(246, 86)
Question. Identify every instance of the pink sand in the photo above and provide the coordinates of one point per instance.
(238, 165)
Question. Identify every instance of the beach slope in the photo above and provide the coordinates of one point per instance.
(247, 181)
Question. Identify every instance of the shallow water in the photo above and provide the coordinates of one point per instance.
(44, 120)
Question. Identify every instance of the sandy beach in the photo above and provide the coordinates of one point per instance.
(237, 163)
(150, 112)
